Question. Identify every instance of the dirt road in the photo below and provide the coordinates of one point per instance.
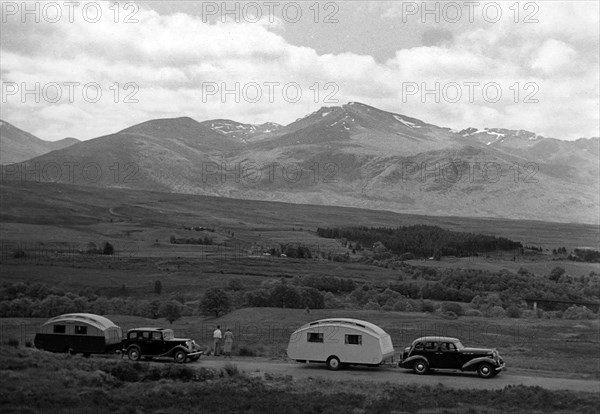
(398, 376)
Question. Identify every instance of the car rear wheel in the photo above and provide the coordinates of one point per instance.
(485, 370)
(333, 363)
(420, 367)
(133, 353)
(180, 357)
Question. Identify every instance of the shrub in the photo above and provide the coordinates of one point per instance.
(400, 305)
(495, 312)
(124, 371)
(513, 311)
(578, 312)
(245, 351)
(331, 302)
(108, 249)
(371, 305)
(449, 315)
(453, 307)
(235, 285)
(205, 374)
(556, 273)
(158, 287)
(231, 370)
(215, 301)
(284, 296)
(171, 310)
(177, 373)
(473, 312)
(406, 256)
(427, 306)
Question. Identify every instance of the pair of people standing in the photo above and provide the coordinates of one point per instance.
(226, 339)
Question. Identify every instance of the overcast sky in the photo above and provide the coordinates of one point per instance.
(170, 59)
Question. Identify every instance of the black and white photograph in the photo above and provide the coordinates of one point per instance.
(299, 207)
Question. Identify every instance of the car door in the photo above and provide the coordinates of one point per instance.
(430, 351)
(448, 356)
(156, 343)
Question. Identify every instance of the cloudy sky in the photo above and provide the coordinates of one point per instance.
(534, 66)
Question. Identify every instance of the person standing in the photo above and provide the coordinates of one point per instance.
(217, 335)
(228, 340)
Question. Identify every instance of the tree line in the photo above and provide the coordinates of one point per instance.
(421, 240)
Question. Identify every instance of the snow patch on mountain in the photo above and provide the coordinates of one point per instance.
(406, 123)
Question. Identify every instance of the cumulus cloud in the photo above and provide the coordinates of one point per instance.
(172, 59)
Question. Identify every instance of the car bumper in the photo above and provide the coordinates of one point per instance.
(195, 353)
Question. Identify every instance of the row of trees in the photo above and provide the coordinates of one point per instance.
(585, 255)
(326, 283)
(464, 284)
(421, 240)
(54, 305)
(218, 301)
(291, 250)
(190, 240)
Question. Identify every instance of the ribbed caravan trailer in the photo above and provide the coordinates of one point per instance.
(84, 333)
(340, 341)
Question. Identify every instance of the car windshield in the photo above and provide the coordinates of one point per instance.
(168, 334)
(459, 345)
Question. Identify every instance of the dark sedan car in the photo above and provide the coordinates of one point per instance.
(436, 352)
(151, 343)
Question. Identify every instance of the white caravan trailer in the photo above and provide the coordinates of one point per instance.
(340, 341)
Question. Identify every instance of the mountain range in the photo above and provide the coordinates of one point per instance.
(17, 145)
(350, 155)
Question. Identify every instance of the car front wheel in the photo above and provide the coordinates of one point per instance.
(420, 367)
(485, 370)
(180, 357)
(134, 353)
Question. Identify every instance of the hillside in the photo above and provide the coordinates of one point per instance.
(17, 145)
(351, 155)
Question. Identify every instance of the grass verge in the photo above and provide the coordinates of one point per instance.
(34, 381)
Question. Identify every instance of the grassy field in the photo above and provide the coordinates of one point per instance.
(55, 223)
(63, 213)
(559, 348)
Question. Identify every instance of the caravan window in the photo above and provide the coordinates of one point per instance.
(60, 329)
(354, 339)
(80, 330)
(315, 337)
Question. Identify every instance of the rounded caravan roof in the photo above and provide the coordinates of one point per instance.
(436, 339)
(96, 321)
(355, 323)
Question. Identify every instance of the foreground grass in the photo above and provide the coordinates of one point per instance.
(33, 381)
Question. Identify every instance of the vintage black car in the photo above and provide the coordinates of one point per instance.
(437, 352)
(151, 343)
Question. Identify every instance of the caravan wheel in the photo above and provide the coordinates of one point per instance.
(333, 363)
